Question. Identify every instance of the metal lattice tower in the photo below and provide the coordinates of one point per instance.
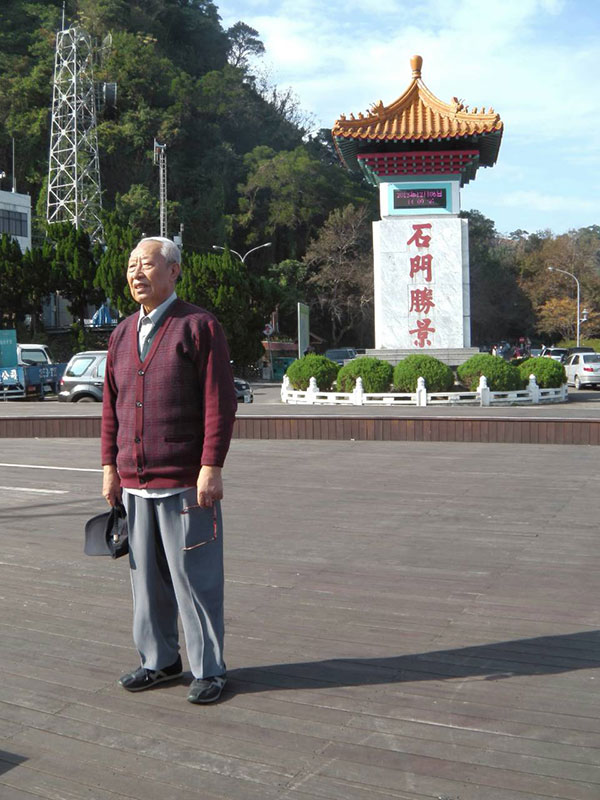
(160, 158)
(74, 171)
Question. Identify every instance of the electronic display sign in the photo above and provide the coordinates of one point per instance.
(420, 198)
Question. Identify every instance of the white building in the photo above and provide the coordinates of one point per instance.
(15, 217)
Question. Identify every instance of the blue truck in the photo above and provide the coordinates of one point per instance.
(26, 370)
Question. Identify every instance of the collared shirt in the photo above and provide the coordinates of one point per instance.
(145, 326)
(146, 322)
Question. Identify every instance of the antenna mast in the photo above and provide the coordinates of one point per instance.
(74, 170)
(160, 158)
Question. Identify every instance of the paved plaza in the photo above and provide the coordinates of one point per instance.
(404, 620)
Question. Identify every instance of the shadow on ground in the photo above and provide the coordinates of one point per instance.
(9, 760)
(538, 656)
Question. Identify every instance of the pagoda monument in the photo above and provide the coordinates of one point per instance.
(420, 152)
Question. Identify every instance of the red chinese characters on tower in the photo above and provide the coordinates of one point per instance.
(421, 299)
(421, 264)
(419, 238)
(423, 330)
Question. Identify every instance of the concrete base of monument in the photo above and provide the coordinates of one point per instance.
(452, 356)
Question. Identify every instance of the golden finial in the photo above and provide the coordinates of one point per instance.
(416, 62)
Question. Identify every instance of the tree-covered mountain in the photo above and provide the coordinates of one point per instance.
(242, 166)
(184, 80)
(243, 169)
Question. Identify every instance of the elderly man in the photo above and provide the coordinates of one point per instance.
(167, 418)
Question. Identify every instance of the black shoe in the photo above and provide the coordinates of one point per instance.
(206, 690)
(143, 678)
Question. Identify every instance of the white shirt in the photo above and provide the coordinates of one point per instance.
(144, 327)
(146, 321)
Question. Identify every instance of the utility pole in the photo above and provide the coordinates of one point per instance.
(160, 158)
(14, 177)
(74, 193)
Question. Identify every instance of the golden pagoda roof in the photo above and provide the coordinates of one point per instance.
(417, 116)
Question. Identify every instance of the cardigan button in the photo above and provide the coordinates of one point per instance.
(139, 404)
(140, 371)
(140, 469)
(137, 440)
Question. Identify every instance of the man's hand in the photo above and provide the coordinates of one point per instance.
(210, 486)
(111, 485)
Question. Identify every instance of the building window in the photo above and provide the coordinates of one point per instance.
(13, 223)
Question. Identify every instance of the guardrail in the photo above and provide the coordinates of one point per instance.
(484, 396)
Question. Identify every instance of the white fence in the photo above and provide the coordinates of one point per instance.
(531, 395)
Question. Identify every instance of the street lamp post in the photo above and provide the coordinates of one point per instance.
(570, 274)
(245, 256)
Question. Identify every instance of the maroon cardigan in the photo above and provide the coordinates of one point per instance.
(166, 416)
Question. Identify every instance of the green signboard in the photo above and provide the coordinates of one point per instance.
(8, 348)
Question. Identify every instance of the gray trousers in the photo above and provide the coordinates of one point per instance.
(166, 577)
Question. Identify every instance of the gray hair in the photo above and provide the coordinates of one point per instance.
(169, 250)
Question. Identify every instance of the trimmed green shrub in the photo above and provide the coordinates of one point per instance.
(376, 375)
(501, 376)
(549, 374)
(438, 376)
(312, 366)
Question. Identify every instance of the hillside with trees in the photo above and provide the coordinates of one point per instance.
(244, 167)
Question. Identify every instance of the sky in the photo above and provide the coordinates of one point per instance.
(536, 62)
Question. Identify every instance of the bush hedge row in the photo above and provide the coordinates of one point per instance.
(312, 366)
(376, 375)
(549, 374)
(438, 376)
(501, 376)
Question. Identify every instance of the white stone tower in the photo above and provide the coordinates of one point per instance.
(420, 152)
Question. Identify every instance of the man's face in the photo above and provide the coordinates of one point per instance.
(150, 277)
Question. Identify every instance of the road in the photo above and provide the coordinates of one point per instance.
(582, 404)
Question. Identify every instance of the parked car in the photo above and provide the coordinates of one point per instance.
(83, 379)
(583, 369)
(243, 391)
(340, 354)
(572, 350)
(555, 353)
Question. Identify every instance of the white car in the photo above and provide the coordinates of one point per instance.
(583, 369)
(556, 353)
